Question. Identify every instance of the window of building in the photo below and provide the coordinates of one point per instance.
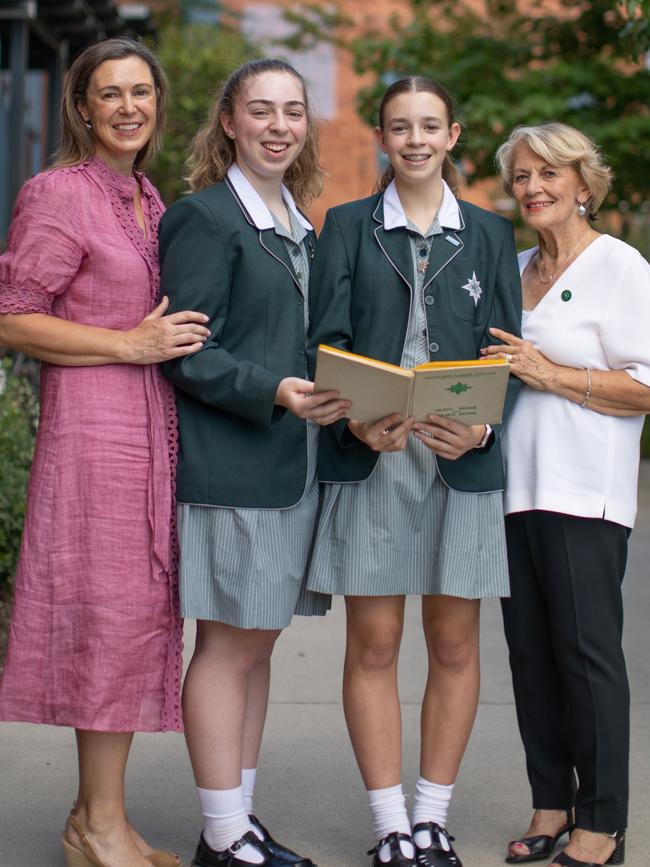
(264, 24)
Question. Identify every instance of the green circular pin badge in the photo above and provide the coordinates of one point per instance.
(566, 295)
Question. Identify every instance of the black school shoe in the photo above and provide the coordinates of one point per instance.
(397, 857)
(207, 857)
(439, 853)
(278, 849)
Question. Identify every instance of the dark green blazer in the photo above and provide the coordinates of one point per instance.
(236, 447)
(360, 295)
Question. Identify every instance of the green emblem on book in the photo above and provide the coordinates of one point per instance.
(459, 388)
(566, 295)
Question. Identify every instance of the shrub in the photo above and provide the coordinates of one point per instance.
(18, 419)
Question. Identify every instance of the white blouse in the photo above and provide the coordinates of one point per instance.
(559, 456)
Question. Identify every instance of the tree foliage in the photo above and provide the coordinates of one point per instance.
(197, 58)
(18, 417)
(509, 62)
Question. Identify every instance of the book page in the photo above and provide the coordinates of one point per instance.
(469, 393)
(375, 388)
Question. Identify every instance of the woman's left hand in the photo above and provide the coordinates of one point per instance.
(448, 438)
(525, 361)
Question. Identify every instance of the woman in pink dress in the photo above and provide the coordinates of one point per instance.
(95, 637)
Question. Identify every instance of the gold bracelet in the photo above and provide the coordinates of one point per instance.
(588, 391)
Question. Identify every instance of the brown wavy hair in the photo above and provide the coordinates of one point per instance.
(420, 84)
(213, 152)
(78, 140)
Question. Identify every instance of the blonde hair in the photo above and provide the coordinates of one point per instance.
(213, 152)
(77, 139)
(419, 84)
(559, 145)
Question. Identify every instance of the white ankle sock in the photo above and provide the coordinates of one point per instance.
(431, 805)
(225, 820)
(248, 785)
(388, 815)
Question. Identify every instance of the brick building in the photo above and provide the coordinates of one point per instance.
(39, 37)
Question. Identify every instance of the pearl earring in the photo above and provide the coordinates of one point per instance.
(582, 211)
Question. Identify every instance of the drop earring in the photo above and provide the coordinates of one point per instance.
(88, 123)
(582, 211)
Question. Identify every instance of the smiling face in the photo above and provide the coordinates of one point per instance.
(547, 195)
(416, 136)
(121, 106)
(268, 125)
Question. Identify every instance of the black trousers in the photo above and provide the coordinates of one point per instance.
(564, 624)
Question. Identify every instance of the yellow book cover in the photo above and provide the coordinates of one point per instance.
(472, 391)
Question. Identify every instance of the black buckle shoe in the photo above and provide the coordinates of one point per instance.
(397, 857)
(277, 848)
(440, 853)
(207, 857)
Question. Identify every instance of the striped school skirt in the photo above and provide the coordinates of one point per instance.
(403, 531)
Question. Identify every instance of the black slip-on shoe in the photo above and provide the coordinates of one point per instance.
(207, 857)
(277, 848)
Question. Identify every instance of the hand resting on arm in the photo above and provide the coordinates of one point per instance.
(156, 338)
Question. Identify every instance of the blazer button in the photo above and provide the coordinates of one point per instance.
(434, 347)
(428, 299)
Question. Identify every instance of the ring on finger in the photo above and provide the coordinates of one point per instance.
(508, 358)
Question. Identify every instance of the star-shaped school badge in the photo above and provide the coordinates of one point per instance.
(474, 288)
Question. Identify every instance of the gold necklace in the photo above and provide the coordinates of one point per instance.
(554, 274)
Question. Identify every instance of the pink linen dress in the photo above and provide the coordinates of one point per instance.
(95, 638)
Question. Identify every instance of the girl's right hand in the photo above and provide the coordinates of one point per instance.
(389, 434)
(158, 337)
(298, 396)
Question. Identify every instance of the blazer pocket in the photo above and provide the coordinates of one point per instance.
(467, 290)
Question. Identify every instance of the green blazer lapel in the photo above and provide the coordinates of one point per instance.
(395, 247)
(275, 246)
(269, 241)
(444, 249)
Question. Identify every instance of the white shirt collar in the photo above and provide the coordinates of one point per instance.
(254, 204)
(394, 216)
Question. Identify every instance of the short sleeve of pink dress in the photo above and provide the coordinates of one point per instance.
(95, 636)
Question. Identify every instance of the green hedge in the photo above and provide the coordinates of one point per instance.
(18, 420)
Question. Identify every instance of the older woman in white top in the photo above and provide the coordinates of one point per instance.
(571, 449)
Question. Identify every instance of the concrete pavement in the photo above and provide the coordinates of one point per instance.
(309, 791)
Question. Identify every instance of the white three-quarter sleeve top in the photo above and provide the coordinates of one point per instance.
(559, 456)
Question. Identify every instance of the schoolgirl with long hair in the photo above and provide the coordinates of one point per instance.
(412, 506)
(239, 250)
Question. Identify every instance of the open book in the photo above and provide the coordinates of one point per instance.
(472, 392)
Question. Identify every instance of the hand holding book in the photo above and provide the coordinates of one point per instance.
(389, 434)
(298, 396)
(448, 438)
(471, 392)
